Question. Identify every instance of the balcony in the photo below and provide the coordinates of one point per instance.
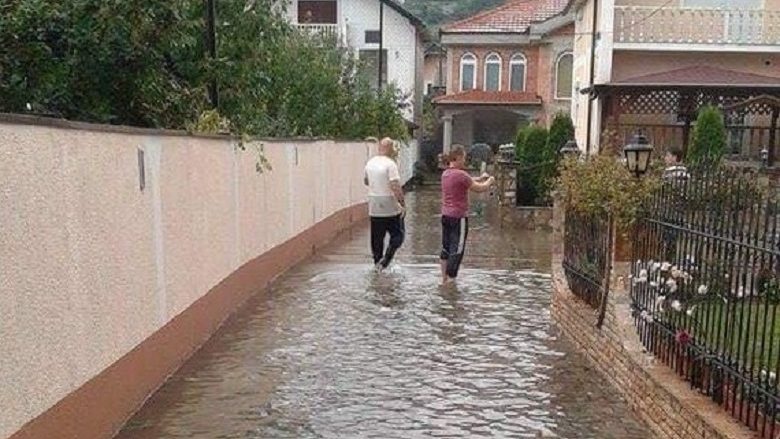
(638, 27)
(332, 32)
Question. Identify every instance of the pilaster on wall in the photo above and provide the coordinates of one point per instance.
(664, 401)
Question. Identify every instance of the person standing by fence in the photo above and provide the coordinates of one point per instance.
(386, 204)
(455, 186)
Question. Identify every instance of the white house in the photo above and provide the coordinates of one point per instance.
(365, 26)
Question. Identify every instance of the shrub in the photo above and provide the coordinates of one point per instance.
(709, 137)
(601, 185)
(561, 131)
(534, 164)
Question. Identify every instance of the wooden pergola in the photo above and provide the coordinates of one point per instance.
(642, 104)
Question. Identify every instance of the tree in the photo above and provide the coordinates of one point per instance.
(144, 64)
(709, 137)
(533, 161)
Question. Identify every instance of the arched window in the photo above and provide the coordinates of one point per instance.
(493, 72)
(517, 72)
(468, 72)
(563, 76)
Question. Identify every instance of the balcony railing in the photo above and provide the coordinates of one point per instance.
(326, 31)
(647, 24)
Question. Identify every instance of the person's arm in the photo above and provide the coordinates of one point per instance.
(395, 184)
(480, 185)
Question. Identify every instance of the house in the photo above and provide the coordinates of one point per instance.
(649, 65)
(506, 67)
(370, 27)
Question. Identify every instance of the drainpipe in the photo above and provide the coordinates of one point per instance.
(381, 42)
(592, 74)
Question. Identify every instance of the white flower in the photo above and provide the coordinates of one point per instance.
(654, 284)
(703, 289)
(772, 377)
(671, 284)
(676, 305)
(741, 291)
(691, 310)
(666, 266)
(675, 272)
(655, 266)
(643, 273)
(659, 301)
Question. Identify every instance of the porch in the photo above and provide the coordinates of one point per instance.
(664, 107)
(492, 118)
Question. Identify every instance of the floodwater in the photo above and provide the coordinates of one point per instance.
(334, 350)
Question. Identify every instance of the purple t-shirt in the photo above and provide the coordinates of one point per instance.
(455, 184)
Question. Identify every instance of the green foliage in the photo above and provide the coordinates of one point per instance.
(536, 165)
(145, 64)
(601, 185)
(709, 137)
(561, 131)
(438, 12)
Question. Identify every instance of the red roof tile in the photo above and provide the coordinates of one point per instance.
(480, 97)
(701, 75)
(514, 16)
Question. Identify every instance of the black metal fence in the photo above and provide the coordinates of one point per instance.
(587, 256)
(706, 290)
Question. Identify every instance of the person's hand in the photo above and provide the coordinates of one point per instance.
(484, 176)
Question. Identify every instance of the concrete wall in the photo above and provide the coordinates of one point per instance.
(629, 64)
(93, 266)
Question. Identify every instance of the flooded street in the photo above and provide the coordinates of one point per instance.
(334, 350)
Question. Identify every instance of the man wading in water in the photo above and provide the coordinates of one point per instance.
(455, 186)
(385, 204)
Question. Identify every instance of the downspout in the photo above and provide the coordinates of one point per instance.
(592, 75)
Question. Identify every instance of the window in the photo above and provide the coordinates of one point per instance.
(493, 72)
(468, 72)
(517, 73)
(373, 37)
(563, 76)
(317, 12)
(369, 66)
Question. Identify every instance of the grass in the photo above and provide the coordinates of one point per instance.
(748, 329)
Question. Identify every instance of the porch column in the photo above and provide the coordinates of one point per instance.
(447, 135)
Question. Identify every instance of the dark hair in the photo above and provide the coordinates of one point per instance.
(677, 153)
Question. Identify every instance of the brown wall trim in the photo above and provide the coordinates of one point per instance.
(99, 408)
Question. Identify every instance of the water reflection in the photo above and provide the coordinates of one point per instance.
(335, 350)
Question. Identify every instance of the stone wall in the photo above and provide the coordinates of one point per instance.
(663, 400)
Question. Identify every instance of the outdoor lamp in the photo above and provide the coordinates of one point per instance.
(765, 157)
(638, 154)
(570, 149)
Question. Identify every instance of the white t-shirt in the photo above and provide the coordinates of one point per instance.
(381, 170)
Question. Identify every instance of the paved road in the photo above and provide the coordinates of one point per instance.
(334, 350)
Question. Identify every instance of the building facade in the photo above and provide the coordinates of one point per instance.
(649, 65)
(368, 27)
(506, 67)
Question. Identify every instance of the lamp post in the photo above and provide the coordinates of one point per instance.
(637, 155)
(765, 157)
(570, 149)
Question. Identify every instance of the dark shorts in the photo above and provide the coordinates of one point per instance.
(454, 232)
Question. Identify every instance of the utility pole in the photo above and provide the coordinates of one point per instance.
(381, 43)
(211, 46)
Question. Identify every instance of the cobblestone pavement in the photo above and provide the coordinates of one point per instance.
(334, 350)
